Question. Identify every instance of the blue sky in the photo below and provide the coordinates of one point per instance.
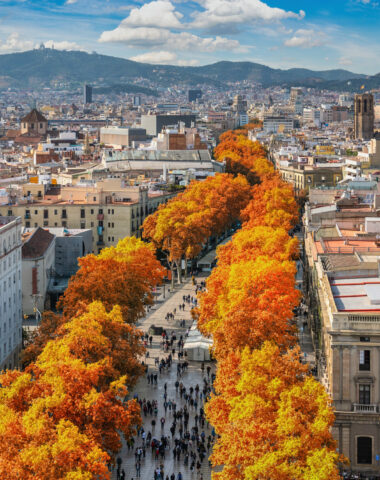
(278, 33)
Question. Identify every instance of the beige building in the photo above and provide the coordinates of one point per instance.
(308, 176)
(343, 291)
(109, 208)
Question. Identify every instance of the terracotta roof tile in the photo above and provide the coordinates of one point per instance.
(36, 245)
(34, 116)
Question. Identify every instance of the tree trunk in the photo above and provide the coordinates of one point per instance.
(185, 274)
(178, 264)
(173, 274)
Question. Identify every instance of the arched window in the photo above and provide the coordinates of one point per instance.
(359, 106)
(365, 106)
(364, 450)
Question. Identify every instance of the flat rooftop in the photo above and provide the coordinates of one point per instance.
(356, 294)
(347, 245)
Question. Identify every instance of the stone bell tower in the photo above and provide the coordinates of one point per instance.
(364, 116)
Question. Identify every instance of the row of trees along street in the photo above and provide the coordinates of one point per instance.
(64, 415)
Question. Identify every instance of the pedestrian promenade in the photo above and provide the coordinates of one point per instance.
(157, 315)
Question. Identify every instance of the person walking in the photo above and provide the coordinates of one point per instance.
(138, 469)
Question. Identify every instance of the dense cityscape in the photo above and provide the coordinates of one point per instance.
(189, 251)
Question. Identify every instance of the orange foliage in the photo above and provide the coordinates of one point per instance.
(183, 225)
(123, 275)
(272, 419)
(72, 395)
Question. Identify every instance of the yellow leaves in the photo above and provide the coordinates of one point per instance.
(79, 475)
(126, 249)
(35, 455)
(7, 417)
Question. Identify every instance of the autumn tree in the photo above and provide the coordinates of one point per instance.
(37, 339)
(273, 420)
(75, 383)
(184, 224)
(124, 275)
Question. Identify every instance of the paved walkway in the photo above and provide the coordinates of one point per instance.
(190, 378)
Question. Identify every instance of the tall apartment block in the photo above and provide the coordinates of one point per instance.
(10, 292)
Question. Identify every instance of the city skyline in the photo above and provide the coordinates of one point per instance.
(280, 34)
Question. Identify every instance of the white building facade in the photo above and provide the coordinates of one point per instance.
(10, 292)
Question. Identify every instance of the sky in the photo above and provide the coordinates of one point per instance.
(313, 34)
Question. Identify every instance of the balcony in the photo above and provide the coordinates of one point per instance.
(100, 216)
(363, 408)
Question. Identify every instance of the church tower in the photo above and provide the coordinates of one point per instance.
(364, 116)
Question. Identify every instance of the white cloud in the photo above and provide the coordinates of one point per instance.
(70, 2)
(164, 38)
(345, 61)
(160, 13)
(63, 45)
(162, 58)
(14, 44)
(306, 39)
(235, 12)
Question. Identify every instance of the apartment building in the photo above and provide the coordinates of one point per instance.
(342, 246)
(10, 292)
(308, 176)
(111, 209)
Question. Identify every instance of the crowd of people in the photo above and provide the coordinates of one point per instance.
(174, 422)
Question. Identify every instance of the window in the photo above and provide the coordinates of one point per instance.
(365, 360)
(64, 213)
(92, 211)
(41, 125)
(64, 224)
(27, 224)
(82, 213)
(46, 223)
(113, 211)
(92, 224)
(365, 105)
(95, 200)
(35, 212)
(364, 394)
(100, 211)
(46, 213)
(82, 225)
(365, 339)
(55, 212)
(9, 213)
(109, 211)
(364, 450)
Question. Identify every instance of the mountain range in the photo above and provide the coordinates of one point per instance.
(47, 67)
